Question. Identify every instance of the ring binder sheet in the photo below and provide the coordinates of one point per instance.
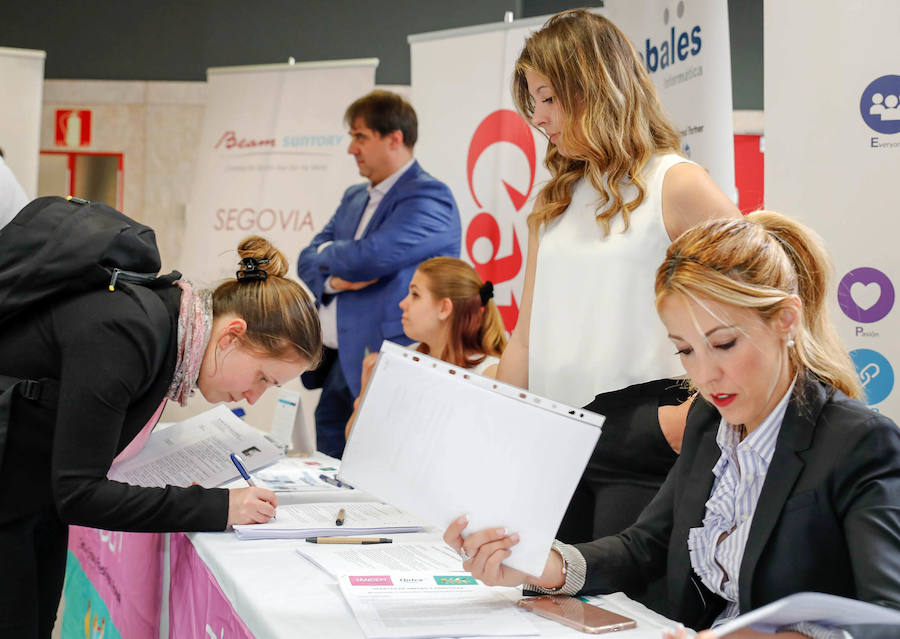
(439, 441)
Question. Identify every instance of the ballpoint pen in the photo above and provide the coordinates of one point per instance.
(335, 482)
(339, 521)
(350, 540)
(239, 464)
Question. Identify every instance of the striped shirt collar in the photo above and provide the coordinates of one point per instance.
(763, 438)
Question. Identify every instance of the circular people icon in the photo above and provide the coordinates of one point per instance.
(879, 104)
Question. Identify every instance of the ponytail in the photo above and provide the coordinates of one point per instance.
(759, 262)
(817, 345)
(476, 328)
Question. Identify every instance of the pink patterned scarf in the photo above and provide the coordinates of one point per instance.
(194, 325)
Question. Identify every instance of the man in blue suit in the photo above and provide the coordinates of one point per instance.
(359, 266)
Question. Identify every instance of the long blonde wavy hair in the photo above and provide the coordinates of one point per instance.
(613, 123)
(758, 263)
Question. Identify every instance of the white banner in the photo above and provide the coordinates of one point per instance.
(273, 159)
(22, 79)
(471, 137)
(833, 159)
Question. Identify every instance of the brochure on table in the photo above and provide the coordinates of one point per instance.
(422, 605)
(400, 556)
(197, 451)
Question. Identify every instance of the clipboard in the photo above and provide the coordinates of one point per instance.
(440, 441)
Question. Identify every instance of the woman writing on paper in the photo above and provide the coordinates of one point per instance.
(619, 193)
(786, 482)
(117, 357)
(450, 312)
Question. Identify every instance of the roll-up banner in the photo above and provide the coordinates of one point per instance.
(273, 159)
(22, 79)
(832, 109)
(471, 137)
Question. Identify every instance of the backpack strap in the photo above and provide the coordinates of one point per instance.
(44, 391)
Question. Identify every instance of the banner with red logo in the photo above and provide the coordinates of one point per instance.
(471, 137)
(272, 159)
(832, 161)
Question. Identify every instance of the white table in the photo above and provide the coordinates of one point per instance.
(279, 594)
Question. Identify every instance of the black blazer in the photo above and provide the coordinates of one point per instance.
(113, 356)
(827, 520)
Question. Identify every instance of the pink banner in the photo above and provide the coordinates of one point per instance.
(197, 606)
(126, 571)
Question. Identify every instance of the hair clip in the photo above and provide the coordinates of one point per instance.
(249, 270)
(486, 292)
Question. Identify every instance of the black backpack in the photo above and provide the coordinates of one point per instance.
(57, 247)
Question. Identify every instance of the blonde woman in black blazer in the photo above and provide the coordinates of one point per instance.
(743, 301)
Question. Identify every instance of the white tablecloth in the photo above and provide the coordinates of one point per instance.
(279, 594)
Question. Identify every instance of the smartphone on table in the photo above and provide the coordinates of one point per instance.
(576, 613)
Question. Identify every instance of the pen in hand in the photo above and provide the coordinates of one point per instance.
(339, 521)
(239, 464)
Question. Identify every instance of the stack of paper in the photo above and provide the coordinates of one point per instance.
(421, 605)
(318, 520)
(423, 556)
(197, 451)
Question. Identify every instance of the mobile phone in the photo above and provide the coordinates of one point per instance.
(576, 613)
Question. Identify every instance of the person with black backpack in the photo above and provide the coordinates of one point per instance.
(86, 367)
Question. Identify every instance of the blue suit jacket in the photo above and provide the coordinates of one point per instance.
(416, 220)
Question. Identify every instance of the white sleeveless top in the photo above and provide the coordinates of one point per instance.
(486, 363)
(594, 326)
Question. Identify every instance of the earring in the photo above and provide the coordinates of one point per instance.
(790, 341)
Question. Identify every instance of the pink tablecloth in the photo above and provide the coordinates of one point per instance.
(197, 605)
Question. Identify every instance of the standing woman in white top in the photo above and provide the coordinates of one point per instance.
(450, 312)
(619, 193)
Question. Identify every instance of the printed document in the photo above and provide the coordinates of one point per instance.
(815, 607)
(291, 475)
(197, 450)
(427, 556)
(439, 441)
(421, 605)
(318, 520)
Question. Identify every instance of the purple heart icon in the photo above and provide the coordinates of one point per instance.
(866, 277)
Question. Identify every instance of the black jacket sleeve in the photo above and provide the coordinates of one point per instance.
(106, 363)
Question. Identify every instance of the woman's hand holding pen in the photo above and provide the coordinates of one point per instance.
(251, 505)
(484, 552)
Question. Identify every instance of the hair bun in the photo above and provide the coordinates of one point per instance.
(260, 249)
